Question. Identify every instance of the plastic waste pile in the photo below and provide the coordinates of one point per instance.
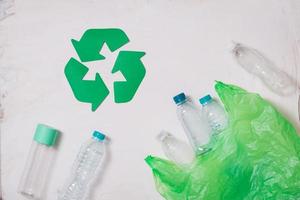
(252, 151)
(244, 149)
(198, 126)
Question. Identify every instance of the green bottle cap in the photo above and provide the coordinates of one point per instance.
(45, 135)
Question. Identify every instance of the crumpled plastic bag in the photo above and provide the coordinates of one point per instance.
(256, 158)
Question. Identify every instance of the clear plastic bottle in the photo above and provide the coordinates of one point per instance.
(255, 63)
(176, 150)
(85, 168)
(194, 124)
(39, 162)
(6, 8)
(215, 114)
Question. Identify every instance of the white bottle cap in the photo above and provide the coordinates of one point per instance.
(162, 135)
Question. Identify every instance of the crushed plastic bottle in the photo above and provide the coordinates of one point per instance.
(175, 149)
(215, 114)
(85, 169)
(255, 63)
(6, 8)
(194, 124)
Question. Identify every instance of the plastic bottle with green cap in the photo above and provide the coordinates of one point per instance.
(85, 169)
(39, 162)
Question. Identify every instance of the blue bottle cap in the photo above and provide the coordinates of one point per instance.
(178, 99)
(204, 100)
(99, 136)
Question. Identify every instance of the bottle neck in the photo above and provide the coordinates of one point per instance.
(97, 139)
(182, 102)
(206, 103)
(163, 136)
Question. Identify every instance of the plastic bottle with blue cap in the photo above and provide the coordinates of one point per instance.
(85, 169)
(38, 165)
(194, 124)
(215, 114)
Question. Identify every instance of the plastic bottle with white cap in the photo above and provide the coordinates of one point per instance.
(176, 150)
(257, 64)
(39, 162)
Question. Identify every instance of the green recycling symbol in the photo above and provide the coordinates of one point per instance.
(127, 62)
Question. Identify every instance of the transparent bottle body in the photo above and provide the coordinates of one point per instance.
(6, 8)
(255, 63)
(176, 150)
(216, 116)
(84, 170)
(36, 171)
(195, 126)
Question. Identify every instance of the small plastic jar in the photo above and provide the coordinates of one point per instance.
(39, 161)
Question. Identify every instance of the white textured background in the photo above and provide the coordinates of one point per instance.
(187, 45)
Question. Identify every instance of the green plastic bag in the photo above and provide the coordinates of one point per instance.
(256, 158)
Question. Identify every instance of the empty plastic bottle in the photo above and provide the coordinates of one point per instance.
(86, 167)
(176, 150)
(255, 63)
(6, 8)
(215, 114)
(194, 124)
(39, 163)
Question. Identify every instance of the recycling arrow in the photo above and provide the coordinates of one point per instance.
(92, 41)
(89, 91)
(130, 65)
(88, 49)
